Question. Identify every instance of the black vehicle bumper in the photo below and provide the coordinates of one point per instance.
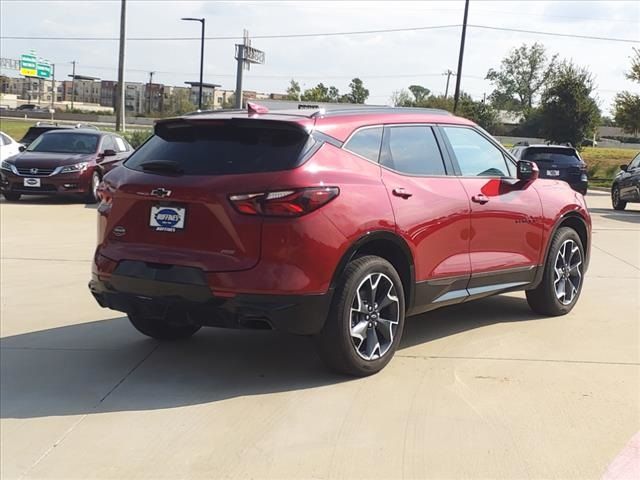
(580, 187)
(194, 303)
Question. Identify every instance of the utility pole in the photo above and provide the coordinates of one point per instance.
(53, 86)
(73, 84)
(448, 73)
(461, 56)
(120, 126)
(202, 21)
(150, 83)
(239, 71)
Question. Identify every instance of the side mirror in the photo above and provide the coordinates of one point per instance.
(109, 153)
(624, 167)
(527, 171)
(22, 148)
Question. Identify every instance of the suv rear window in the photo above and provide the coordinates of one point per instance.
(554, 155)
(224, 148)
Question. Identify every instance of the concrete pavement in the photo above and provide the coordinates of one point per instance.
(483, 390)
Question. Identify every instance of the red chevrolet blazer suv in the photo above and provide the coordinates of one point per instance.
(335, 224)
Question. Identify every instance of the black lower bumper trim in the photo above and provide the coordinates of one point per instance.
(194, 303)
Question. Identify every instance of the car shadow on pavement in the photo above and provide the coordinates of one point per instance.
(106, 366)
(27, 200)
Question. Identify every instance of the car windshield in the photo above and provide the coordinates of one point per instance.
(553, 155)
(65, 143)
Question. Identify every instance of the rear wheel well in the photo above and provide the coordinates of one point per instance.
(396, 256)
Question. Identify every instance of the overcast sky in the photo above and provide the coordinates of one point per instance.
(384, 61)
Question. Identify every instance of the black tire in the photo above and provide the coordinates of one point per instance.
(543, 299)
(615, 199)
(162, 329)
(11, 196)
(92, 195)
(335, 344)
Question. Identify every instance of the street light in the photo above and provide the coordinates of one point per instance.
(201, 20)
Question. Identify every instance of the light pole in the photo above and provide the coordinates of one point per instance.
(456, 96)
(201, 20)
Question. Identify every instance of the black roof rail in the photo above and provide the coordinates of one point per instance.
(399, 110)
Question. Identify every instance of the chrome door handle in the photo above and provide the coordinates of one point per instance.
(480, 198)
(402, 193)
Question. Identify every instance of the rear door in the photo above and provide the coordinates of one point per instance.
(172, 195)
(506, 216)
(431, 210)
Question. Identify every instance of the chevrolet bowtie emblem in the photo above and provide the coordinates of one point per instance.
(160, 192)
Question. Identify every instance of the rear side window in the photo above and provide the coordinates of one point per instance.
(413, 150)
(366, 143)
(224, 148)
(476, 156)
(554, 155)
(120, 145)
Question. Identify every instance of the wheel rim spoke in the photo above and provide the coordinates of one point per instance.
(375, 315)
(567, 272)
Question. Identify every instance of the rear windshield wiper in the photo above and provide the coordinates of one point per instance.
(161, 166)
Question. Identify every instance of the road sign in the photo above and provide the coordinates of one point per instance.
(43, 70)
(31, 66)
(28, 65)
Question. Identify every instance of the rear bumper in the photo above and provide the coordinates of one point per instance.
(63, 183)
(178, 291)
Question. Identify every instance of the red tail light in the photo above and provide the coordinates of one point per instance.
(284, 203)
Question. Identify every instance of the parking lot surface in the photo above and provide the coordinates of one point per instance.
(482, 390)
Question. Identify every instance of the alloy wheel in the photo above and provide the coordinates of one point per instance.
(375, 315)
(568, 272)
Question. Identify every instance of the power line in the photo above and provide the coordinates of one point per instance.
(328, 34)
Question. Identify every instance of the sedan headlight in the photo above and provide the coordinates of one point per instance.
(7, 166)
(78, 167)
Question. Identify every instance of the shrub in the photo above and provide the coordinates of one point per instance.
(137, 137)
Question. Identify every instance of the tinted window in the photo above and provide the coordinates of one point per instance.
(635, 163)
(223, 149)
(476, 155)
(366, 143)
(553, 155)
(108, 143)
(65, 143)
(413, 150)
(35, 132)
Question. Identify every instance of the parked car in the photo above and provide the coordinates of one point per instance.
(335, 224)
(8, 146)
(30, 107)
(626, 185)
(561, 162)
(41, 127)
(64, 161)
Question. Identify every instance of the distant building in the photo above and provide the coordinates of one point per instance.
(208, 93)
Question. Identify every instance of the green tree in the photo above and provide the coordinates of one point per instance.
(634, 74)
(358, 93)
(521, 77)
(626, 105)
(180, 102)
(401, 98)
(293, 92)
(419, 92)
(568, 112)
(334, 94)
(627, 112)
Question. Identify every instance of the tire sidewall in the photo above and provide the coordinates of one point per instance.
(344, 311)
(562, 236)
(619, 204)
